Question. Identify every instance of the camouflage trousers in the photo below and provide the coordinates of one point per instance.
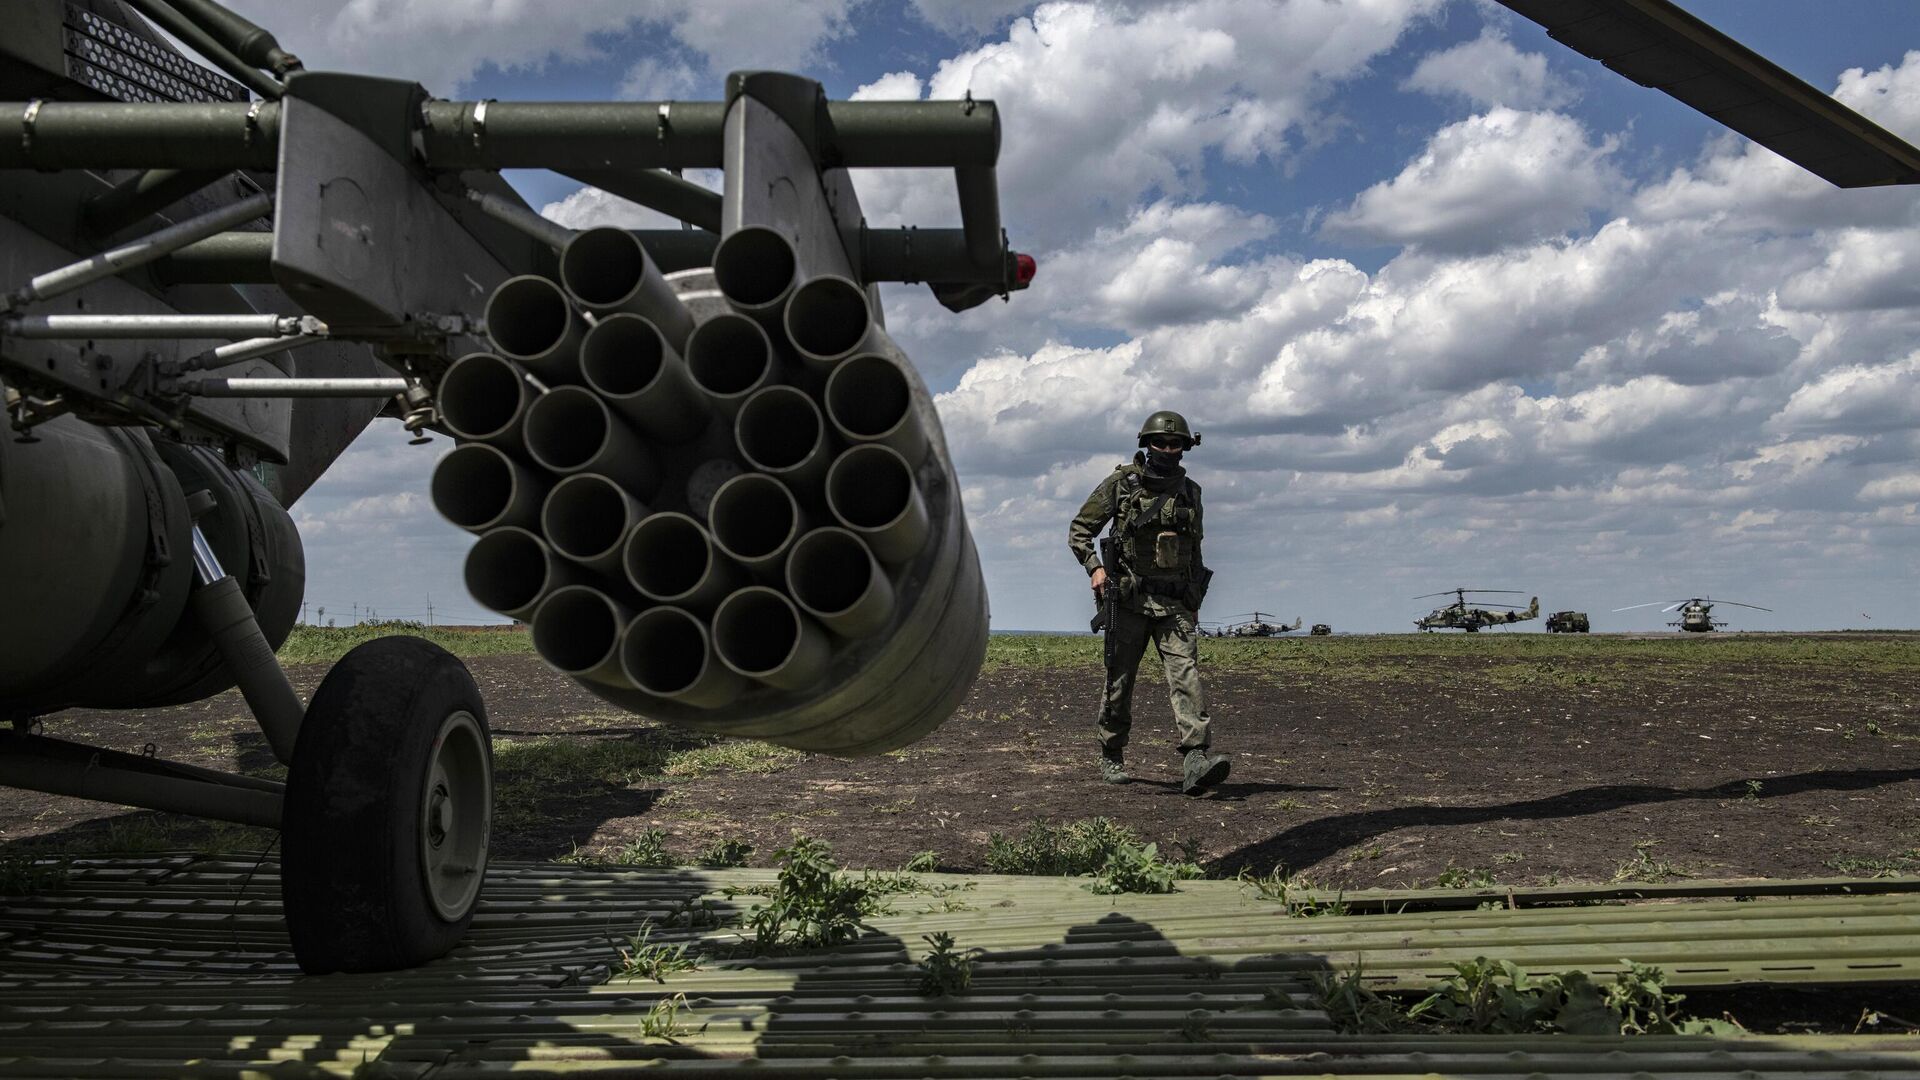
(1173, 635)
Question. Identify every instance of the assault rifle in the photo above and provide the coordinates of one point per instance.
(1107, 602)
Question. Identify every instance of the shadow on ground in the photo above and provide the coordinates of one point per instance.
(1312, 841)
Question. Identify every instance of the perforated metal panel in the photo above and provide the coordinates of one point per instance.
(123, 65)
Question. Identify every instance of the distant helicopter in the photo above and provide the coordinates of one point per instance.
(1254, 624)
(1696, 613)
(1458, 616)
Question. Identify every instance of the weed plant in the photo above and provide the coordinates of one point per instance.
(25, 875)
(1486, 997)
(643, 958)
(810, 906)
(1301, 897)
(726, 852)
(1046, 850)
(663, 1020)
(1644, 867)
(1133, 868)
(945, 971)
(1464, 877)
(649, 850)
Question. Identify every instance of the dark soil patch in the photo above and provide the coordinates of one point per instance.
(1386, 773)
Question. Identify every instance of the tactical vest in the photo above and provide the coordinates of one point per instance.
(1156, 532)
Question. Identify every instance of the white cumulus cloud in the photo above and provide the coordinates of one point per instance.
(1501, 178)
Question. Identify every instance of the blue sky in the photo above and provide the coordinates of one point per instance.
(1463, 307)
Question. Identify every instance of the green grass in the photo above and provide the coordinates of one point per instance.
(325, 644)
(1514, 659)
(732, 756)
(531, 773)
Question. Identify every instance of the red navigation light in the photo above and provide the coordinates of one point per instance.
(1024, 268)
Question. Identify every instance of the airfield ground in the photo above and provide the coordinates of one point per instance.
(1358, 761)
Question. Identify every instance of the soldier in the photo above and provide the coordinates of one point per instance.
(1157, 582)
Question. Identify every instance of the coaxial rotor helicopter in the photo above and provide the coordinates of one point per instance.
(1459, 615)
(1696, 613)
(697, 464)
(1255, 624)
(214, 280)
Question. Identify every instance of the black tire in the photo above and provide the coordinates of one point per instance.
(355, 876)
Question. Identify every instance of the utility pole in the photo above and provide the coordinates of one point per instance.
(429, 609)
(303, 611)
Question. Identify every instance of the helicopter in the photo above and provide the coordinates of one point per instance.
(213, 278)
(1255, 624)
(1459, 616)
(1696, 613)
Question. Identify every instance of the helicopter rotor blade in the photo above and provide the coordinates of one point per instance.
(1737, 603)
(1632, 607)
(1675, 604)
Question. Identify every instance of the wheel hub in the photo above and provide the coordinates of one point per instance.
(455, 815)
(439, 816)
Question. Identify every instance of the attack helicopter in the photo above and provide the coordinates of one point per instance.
(1696, 613)
(1255, 624)
(1460, 616)
(214, 280)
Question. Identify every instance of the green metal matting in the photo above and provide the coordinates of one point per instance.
(178, 965)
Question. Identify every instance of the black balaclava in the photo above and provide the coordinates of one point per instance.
(1160, 469)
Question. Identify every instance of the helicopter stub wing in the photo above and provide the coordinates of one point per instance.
(1656, 44)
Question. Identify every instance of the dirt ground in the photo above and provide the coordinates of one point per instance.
(1406, 766)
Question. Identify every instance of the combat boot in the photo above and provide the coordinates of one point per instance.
(1202, 770)
(1112, 767)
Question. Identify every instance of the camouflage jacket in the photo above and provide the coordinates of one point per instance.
(1099, 511)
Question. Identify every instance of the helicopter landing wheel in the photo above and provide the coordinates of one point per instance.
(388, 809)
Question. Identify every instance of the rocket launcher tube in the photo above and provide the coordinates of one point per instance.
(871, 491)
(756, 269)
(577, 630)
(828, 319)
(781, 433)
(667, 652)
(510, 570)
(530, 320)
(729, 357)
(627, 361)
(586, 519)
(755, 521)
(869, 399)
(485, 398)
(835, 579)
(671, 559)
(760, 634)
(478, 487)
(571, 430)
(606, 271)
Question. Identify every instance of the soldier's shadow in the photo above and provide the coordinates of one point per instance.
(1230, 792)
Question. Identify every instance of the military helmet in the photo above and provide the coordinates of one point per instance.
(1167, 422)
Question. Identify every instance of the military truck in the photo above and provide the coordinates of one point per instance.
(1567, 622)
